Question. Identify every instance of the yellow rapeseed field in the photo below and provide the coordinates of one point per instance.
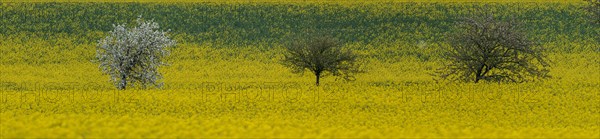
(239, 93)
(54, 89)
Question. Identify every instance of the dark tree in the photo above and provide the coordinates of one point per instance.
(322, 56)
(485, 48)
(593, 8)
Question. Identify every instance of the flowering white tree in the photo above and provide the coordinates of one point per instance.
(132, 56)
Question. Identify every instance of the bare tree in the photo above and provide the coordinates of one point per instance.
(485, 48)
(322, 56)
(594, 9)
(134, 55)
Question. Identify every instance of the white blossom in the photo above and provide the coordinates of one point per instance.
(132, 56)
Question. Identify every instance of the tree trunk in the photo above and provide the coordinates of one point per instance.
(123, 83)
(479, 74)
(482, 72)
(318, 76)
